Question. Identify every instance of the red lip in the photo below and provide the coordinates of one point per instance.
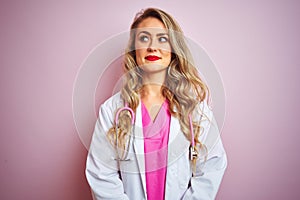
(152, 58)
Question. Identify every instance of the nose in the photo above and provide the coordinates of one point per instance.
(152, 46)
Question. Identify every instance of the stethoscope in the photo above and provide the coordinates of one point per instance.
(125, 157)
(193, 154)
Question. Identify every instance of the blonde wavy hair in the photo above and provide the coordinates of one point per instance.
(183, 88)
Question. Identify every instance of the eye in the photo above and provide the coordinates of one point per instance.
(163, 39)
(144, 38)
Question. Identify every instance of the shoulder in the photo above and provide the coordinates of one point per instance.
(112, 103)
(203, 111)
(108, 108)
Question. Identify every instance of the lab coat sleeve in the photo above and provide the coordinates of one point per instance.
(101, 169)
(205, 183)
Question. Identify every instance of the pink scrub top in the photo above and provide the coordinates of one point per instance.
(156, 135)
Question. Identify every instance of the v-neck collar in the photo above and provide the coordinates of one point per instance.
(146, 114)
(154, 130)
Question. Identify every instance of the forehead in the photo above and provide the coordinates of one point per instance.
(151, 25)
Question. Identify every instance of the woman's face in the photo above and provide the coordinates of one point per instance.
(153, 50)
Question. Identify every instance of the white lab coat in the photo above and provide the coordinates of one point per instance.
(107, 183)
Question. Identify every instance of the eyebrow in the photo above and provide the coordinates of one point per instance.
(158, 34)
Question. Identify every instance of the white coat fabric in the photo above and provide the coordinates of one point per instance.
(110, 179)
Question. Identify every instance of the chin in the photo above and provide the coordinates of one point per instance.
(153, 68)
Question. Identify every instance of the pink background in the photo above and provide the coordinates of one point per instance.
(255, 46)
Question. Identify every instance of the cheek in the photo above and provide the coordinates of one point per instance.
(166, 51)
(139, 56)
(167, 56)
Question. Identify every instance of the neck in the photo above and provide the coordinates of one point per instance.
(151, 90)
(152, 84)
(155, 79)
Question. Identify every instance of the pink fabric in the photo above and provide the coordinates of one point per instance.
(156, 135)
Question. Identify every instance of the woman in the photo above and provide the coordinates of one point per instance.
(148, 140)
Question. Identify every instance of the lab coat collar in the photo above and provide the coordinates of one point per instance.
(139, 145)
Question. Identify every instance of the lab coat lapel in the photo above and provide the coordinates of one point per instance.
(174, 129)
(177, 146)
(139, 145)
